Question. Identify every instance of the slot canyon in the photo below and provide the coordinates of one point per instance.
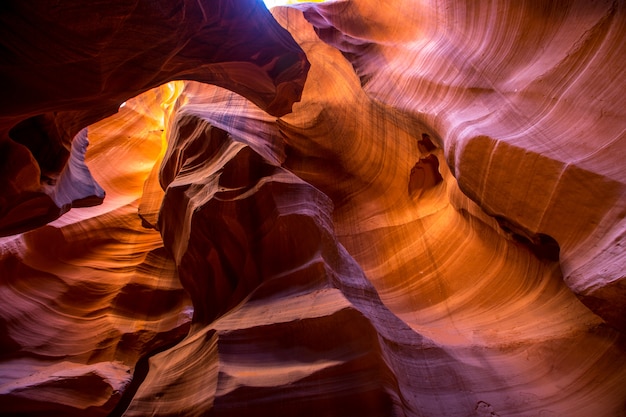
(353, 208)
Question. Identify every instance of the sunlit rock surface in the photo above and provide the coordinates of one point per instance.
(70, 64)
(87, 296)
(435, 230)
(528, 107)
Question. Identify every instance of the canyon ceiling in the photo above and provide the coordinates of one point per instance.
(352, 208)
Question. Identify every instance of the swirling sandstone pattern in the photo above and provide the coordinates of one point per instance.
(414, 239)
(528, 106)
(66, 65)
(85, 297)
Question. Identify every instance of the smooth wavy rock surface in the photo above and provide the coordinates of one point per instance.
(66, 65)
(434, 230)
(86, 297)
(527, 104)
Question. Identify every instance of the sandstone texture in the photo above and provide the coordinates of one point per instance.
(349, 208)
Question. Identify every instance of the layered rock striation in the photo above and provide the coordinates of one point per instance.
(69, 65)
(525, 106)
(434, 229)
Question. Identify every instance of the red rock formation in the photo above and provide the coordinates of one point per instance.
(414, 239)
(71, 64)
(527, 108)
(91, 293)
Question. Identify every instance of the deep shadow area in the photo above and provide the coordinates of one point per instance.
(541, 245)
(141, 371)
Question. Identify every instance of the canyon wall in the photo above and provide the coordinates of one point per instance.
(349, 208)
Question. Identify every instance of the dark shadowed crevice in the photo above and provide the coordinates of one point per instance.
(541, 245)
(39, 135)
(141, 371)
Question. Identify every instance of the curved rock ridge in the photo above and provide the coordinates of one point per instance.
(68, 65)
(103, 53)
(527, 106)
(437, 258)
(516, 340)
(82, 313)
(413, 239)
(263, 353)
(257, 252)
(89, 295)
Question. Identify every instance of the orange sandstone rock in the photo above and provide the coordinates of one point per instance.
(69, 65)
(414, 238)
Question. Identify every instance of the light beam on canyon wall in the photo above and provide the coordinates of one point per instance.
(350, 208)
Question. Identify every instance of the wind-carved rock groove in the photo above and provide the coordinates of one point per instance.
(413, 239)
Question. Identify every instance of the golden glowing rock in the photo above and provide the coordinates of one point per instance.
(434, 230)
(71, 64)
(528, 108)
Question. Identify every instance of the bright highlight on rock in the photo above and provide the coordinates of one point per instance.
(383, 208)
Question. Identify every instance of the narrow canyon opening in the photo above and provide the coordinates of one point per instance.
(341, 208)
